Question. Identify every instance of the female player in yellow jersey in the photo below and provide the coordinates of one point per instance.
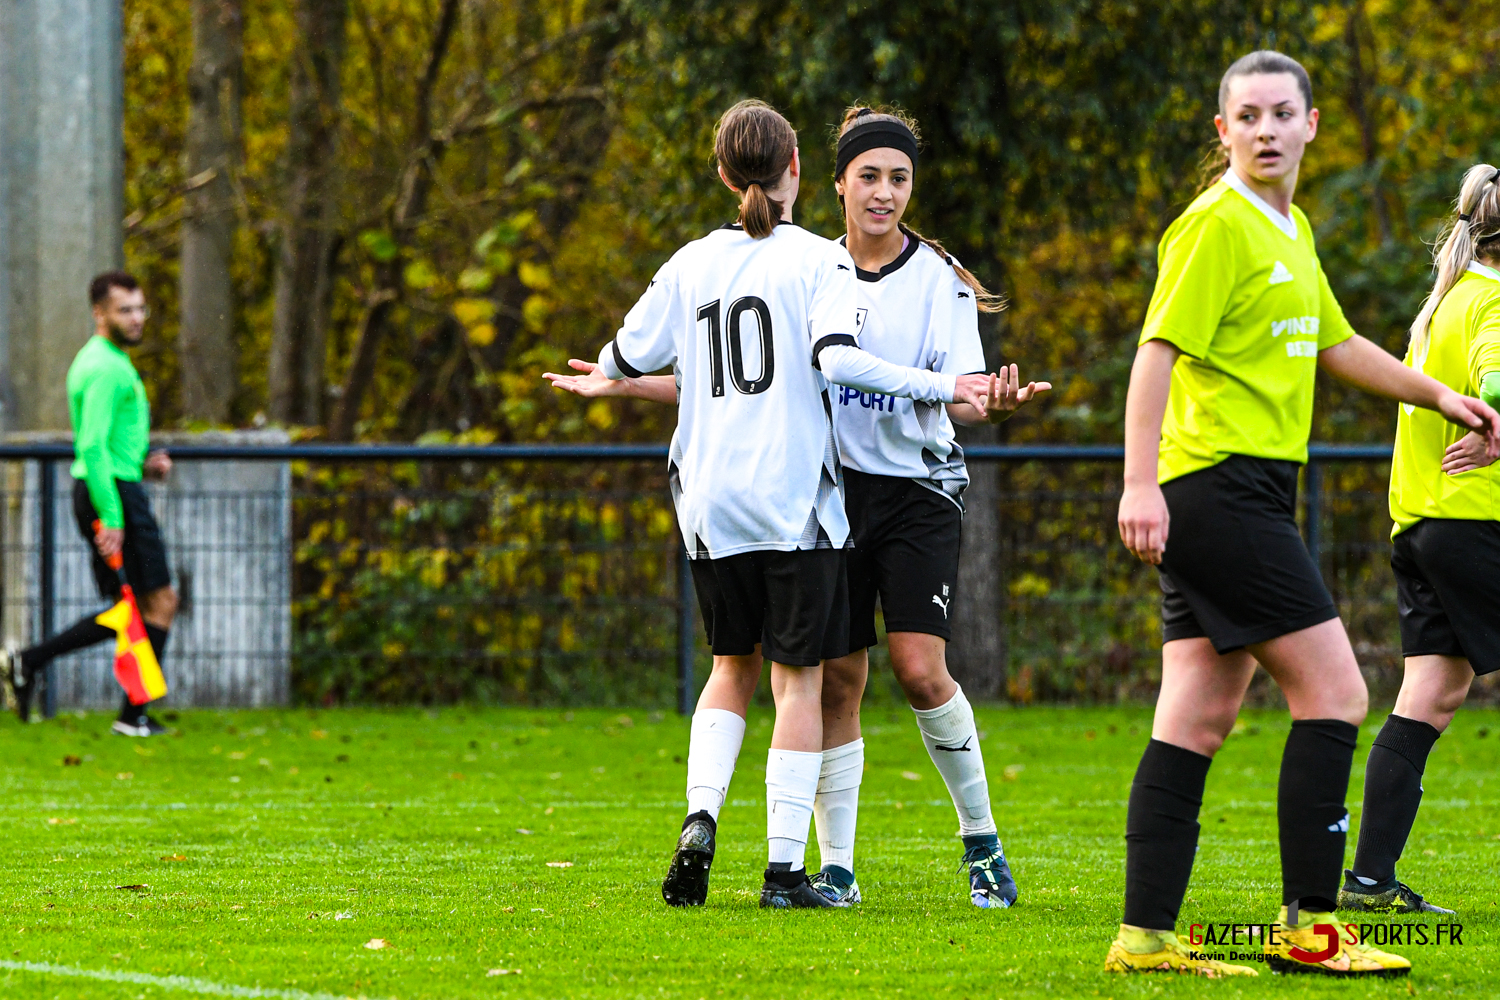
(1446, 544)
(1216, 427)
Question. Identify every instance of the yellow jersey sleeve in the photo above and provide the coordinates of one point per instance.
(1333, 328)
(1196, 273)
(1484, 347)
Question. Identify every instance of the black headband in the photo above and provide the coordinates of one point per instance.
(878, 134)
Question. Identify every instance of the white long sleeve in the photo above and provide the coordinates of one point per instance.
(844, 364)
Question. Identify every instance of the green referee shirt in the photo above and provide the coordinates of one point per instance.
(111, 424)
(1241, 293)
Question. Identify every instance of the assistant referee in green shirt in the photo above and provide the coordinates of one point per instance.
(111, 424)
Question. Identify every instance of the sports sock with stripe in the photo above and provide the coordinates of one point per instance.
(952, 742)
(836, 809)
(1161, 833)
(1310, 810)
(81, 634)
(713, 748)
(1393, 792)
(791, 786)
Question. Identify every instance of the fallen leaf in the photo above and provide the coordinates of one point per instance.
(911, 776)
(509, 909)
(319, 734)
(125, 776)
(344, 915)
(71, 761)
(135, 888)
(236, 906)
(1013, 771)
(503, 972)
(559, 864)
(56, 821)
(174, 857)
(537, 909)
(375, 944)
(456, 776)
(292, 770)
(519, 829)
(548, 812)
(237, 755)
(1429, 853)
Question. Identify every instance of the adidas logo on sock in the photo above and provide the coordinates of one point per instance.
(1280, 275)
(1342, 826)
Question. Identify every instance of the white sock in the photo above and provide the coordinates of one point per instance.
(836, 809)
(791, 786)
(953, 744)
(713, 748)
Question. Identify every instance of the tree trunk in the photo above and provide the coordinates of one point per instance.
(206, 349)
(976, 655)
(303, 258)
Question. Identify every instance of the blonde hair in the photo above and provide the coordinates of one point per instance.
(986, 300)
(1477, 226)
(754, 145)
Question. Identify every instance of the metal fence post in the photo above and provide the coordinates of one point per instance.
(46, 581)
(686, 634)
(1315, 512)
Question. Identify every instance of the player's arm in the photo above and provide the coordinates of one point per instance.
(1468, 452)
(1360, 363)
(844, 363)
(91, 443)
(1006, 396)
(593, 383)
(1143, 517)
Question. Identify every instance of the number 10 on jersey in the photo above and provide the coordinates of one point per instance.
(737, 309)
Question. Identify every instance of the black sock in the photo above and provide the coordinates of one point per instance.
(780, 873)
(1310, 810)
(1161, 833)
(81, 634)
(1393, 791)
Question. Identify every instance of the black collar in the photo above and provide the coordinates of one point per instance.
(912, 245)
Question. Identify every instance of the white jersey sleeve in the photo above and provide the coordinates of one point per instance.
(954, 322)
(647, 340)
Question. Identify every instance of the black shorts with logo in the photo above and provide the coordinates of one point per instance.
(1448, 590)
(795, 604)
(145, 553)
(1235, 568)
(906, 541)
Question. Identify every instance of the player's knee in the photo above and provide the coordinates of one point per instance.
(924, 680)
(161, 604)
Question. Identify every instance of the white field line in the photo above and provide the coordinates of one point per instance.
(184, 983)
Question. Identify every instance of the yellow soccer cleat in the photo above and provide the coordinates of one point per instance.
(1319, 945)
(1139, 950)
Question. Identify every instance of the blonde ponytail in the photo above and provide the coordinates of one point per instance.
(1477, 225)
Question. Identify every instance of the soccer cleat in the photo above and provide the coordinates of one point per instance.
(144, 725)
(686, 883)
(1319, 945)
(19, 681)
(991, 885)
(1137, 950)
(831, 888)
(1389, 896)
(799, 895)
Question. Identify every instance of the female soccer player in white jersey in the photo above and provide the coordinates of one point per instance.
(904, 478)
(747, 317)
(1446, 544)
(1216, 427)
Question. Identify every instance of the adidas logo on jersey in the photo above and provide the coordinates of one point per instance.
(1280, 275)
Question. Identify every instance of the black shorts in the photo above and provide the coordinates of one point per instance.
(795, 604)
(1236, 569)
(906, 540)
(145, 552)
(1448, 590)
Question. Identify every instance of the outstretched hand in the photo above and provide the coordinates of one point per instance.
(1006, 394)
(592, 383)
(1478, 416)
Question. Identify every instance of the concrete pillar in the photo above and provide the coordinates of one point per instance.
(61, 192)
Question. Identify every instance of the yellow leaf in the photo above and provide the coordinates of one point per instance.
(535, 311)
(601, 415)
(534, 275)
(482, 335)
(471, 312)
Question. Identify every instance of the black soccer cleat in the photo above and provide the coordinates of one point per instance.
(1389, 896)
(991, 885)
(686, 883)
(793, 891)
(19, 681)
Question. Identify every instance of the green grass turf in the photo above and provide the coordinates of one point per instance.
(435, 831)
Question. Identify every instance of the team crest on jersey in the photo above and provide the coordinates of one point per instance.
(859, 321)
(1280, 275)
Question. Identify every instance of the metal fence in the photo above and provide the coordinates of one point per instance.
(555, 573)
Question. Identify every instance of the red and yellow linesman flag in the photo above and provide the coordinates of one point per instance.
(135, 661)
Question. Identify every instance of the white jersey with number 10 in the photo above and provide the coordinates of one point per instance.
(741, 320)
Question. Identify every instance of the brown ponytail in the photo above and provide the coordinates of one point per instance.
(754, 145)
(986, 300)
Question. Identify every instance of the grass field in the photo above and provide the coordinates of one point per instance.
(277, 844)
